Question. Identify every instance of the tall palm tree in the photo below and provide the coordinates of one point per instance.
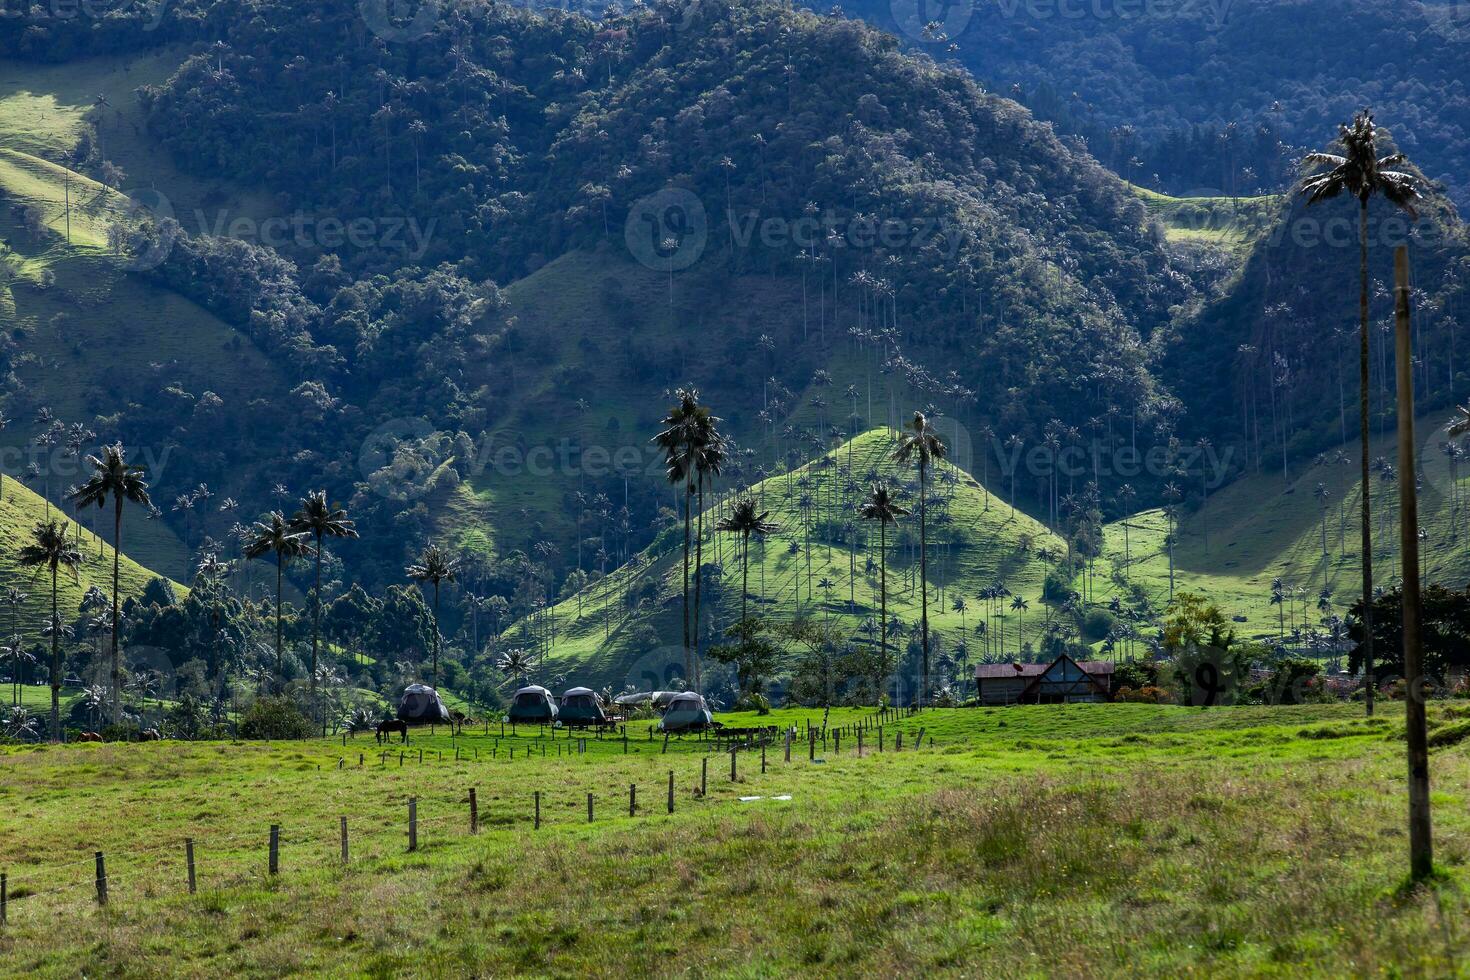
(920, 444)
(744, 519)
(114, 478)
(320, 520)
(880, 506)
(684, 430)
(709, 456)
(15, 598)
(434, 565)
(1361, 173)
(275, 537)
(51, 549)
(1019, 607)
(515, 664)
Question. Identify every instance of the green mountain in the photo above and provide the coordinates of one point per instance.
(21, 510)
(823, 563)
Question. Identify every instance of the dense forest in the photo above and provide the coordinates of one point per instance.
(1223, 96)
(1022, 293)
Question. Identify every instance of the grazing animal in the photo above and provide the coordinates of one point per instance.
(149, 735)
(387, 728)
(89, 737)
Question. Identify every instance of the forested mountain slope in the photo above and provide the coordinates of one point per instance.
(1222, 94)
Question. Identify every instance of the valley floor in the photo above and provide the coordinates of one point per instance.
(1088, 840)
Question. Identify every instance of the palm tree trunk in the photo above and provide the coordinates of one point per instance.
(434, 673)
(924, 582)
(883, 599)
(687, 495)
(117, 512)
(316, 612)
(55, 664)
(280, 660)
(744, 581)
(1363, 423)
(698, 583)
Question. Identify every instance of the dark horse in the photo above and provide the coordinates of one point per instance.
(387, 728)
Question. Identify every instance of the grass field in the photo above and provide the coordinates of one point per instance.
(1228, 222)
(1084, 840)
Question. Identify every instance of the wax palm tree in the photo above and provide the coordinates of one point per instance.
(920, 444)
(18, 656)
(744, 519)
(1361, 173)
(115, 479)
(50, 549)
(685, 429)
(319, 520)
(15, 598)
(1019, 607)
(709, 456)
(274, 536)
(435, 565)
(880, 506)
(515, 664)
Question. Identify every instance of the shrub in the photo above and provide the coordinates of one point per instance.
(758, 703)
(275, 718)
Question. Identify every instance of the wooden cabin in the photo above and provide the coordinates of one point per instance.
(1063, 681)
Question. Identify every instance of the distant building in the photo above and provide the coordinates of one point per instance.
(1062, 681)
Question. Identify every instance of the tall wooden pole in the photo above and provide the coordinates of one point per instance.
(1421, 847)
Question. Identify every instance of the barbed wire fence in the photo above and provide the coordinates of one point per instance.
(234, 860)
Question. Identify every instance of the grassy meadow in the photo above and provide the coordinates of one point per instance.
(1087, 840)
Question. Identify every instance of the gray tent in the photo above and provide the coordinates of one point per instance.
(581, 706)
(687, 712)
(532, 706)
(420, 705)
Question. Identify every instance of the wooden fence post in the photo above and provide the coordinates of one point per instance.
(732, 765)
(342, 833)
(589, 807)
(898, 742)
(101, 880)
(811, 744)
(413, 823)
(788, 745)
(632, 799)
(704, 776)
(671, 791)
(4, 897)
(189, 859)
(537, 796)
(274, 858)
(474, 812)
(763, 759)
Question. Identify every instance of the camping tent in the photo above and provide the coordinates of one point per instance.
(533, 705)
(582, 706)
(687, 712)
(420, 705)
